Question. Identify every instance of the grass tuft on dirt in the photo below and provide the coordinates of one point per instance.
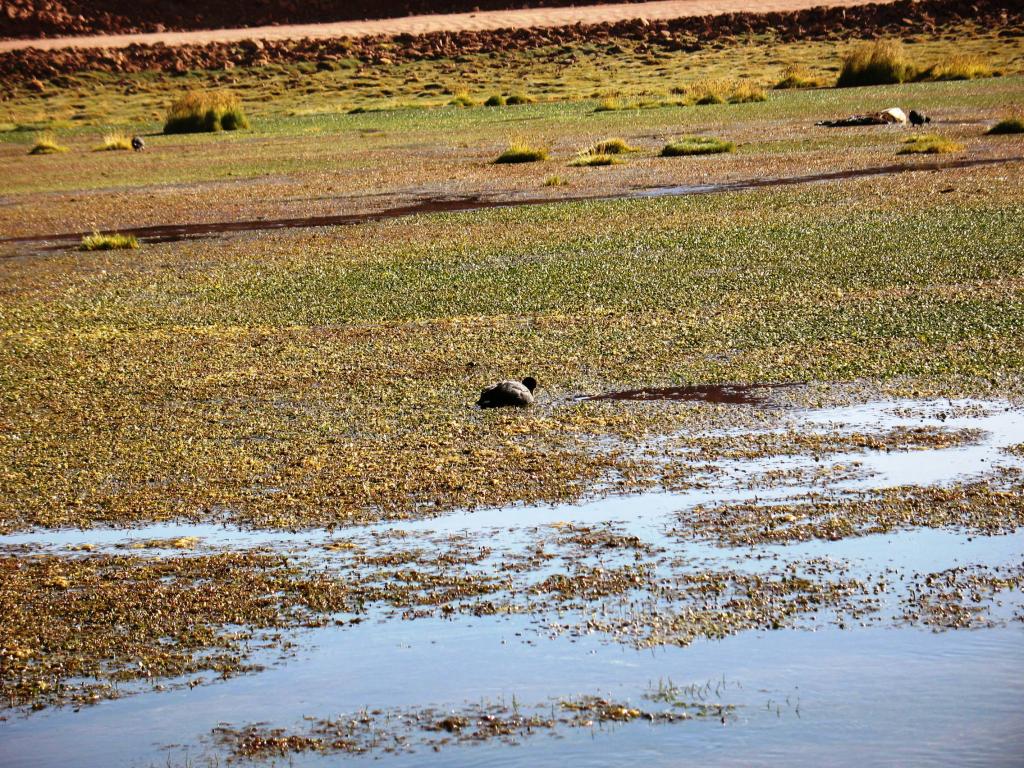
(518, 152)
(929, 144)
(1007, 126)
(697, 145)
(115, 142)
(46, 144)
(797, 76)
(108, 242)
(594, 159)
(614, 146)
(959, 67)
(204, 112)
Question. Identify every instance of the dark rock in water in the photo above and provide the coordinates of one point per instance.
(138, 144)
(517, 394)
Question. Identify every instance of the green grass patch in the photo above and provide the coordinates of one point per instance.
(205, 111)
(115, 142)
(46, 144)
(697, 145)
(929, 144)
(518, 152)
(108, 242)
(1007, 126)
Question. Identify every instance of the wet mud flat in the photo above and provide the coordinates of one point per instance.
(857, 593)
(169, 233)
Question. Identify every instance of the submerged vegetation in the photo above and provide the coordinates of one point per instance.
(205, 111)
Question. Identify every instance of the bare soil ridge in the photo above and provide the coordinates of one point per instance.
(29, 67)
(112, 32)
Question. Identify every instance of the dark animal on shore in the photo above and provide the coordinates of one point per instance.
(518, 394)
(138, 144)
(918, 118)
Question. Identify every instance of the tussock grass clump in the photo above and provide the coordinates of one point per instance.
(797, 76)
(462, 100)
(591, 159)
(614, 146)
(610, 105)
(722, 92)
(882, 62)
(108, 242)
(929, 144)
(1007, 126)
(46, 144)
(555, 181)
(697, 145)
(497, 100)
(203, 111)
(959, 67)
(747, 93)
(518, 152)
(518, 98)
(115, 142)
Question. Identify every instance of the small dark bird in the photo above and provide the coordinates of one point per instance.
(508, 393)
(918, 118)
(138, 144)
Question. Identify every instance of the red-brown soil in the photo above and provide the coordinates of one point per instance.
(903, 18)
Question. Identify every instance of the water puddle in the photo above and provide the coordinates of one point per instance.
(854, 663)
(734, 394)
(177, 232)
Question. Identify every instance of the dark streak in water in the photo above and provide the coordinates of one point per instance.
(732, 394)
(175, 232)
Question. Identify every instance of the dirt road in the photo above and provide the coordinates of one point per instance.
(455, 22)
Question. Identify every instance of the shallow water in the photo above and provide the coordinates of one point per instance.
(875, 693)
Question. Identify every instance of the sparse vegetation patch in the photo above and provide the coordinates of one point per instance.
(697, 145)
(46, 144)
(929, 144)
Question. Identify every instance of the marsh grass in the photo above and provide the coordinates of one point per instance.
(46, 144)
(462, 99)
(1007, 126)
(882, 62)
(959, 67)
(205, 111)
(723, 91)
(115, 142)
(610, 105)
(591, 160)
(519, 152)
(697, 145)
(929, 144)
(797, 76)
(108, 242)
